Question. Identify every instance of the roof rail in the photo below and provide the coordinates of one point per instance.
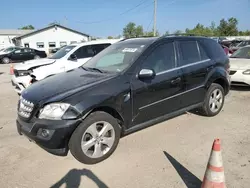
(184, 34)
(137, 37)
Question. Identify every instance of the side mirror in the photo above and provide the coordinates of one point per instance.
(73, 57)
(146, 74)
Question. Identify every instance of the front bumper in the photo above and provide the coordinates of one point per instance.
(20, 83)
(239, 79)
(59, 133)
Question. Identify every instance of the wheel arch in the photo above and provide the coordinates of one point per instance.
(110, 110)
(219, 76)
(221, 81)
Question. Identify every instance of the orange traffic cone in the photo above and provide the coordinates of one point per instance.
(11, 69)
(214, 175)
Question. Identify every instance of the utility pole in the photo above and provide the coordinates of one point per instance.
(155, 7)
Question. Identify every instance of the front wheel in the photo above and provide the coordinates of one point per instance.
(6, 60)
(214, 100)
(96, 138)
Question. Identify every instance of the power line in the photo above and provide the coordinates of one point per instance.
(114, 17)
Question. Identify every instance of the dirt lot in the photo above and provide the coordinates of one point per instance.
(171, 154)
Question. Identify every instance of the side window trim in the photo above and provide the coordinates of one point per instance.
(198, 47)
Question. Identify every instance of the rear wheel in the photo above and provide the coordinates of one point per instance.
(37, 57)
(214, 100)
(6, 60)
(95, 139)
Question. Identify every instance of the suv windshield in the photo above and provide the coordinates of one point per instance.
(116, 57)
(62, 52)
(242, 53)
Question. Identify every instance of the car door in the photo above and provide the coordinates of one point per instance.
(195, 65)
(28, 54)
(17, 55)
(159, 95)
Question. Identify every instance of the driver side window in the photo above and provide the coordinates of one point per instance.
(18, 51)
(162, 58)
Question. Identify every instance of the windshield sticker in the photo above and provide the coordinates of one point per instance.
(129, 50)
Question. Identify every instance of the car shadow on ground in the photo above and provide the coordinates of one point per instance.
(188, 177)
(239, 88)
(73, 179)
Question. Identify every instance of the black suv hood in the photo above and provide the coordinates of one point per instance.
(63, 85)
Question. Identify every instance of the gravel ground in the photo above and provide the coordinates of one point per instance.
(171, 154)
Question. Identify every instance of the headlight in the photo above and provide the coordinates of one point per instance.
(54, 111)
(247, 72)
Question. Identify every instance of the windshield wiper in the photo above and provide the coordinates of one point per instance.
(96, 69)
(92, 69)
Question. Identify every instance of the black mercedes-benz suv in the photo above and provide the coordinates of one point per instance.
(128, 86)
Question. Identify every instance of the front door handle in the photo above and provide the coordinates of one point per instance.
(176, 81)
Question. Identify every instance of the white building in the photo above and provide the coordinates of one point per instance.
(6, 36)
(53, 36)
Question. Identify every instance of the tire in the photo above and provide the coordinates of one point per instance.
(212, 95)
(5, 60)
(84, 134)
(36, 57)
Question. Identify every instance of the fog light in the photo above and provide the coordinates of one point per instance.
(45, 133)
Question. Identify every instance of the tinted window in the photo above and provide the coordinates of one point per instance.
(214, 49)
(162, 58)
(19, 51)
(84, 52)
(189, 52)
(99, 47)
(28, 50)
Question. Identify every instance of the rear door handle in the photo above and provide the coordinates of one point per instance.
(176, 81)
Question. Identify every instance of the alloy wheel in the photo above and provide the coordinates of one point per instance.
(98, 139)
(216, 100)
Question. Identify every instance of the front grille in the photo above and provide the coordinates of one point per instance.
(25, 108)
(232, 72)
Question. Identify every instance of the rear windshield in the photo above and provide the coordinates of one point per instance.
(62, 52)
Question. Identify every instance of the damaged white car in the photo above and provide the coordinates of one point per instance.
(67, 58)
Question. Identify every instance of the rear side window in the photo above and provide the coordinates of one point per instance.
(213, 48)
(189, 52)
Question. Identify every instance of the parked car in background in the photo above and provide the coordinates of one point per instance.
(128, 86)
(67, 58)
(240, 45)
(20, 54)
(240, 67)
